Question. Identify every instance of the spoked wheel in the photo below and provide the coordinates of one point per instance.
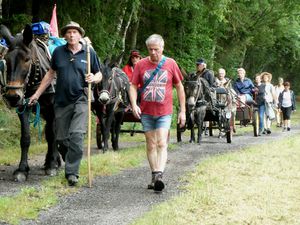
(229, 130)
(98, 136)
(255, 123)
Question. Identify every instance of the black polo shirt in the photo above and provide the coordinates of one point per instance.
(71, 69)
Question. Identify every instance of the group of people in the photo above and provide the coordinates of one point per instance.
(152, 78)
(273, 102)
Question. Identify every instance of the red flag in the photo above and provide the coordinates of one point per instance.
(53, 23)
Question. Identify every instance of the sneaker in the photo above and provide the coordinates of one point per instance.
(72, 180)
(158, 184)
(264, 131)
(284, 129)
(269, 131)
(288, 129)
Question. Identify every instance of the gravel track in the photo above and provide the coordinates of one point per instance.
(121, 198)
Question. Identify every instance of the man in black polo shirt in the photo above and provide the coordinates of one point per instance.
(69, 64)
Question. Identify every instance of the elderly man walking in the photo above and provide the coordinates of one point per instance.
(69, 65)
(156, 75)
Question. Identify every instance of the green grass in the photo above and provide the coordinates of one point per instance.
(30, 201)
(26, 204)
(259, 185)
(216, 190)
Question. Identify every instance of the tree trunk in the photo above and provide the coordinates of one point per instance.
(125, 33)
(0, 9)
(120, 21)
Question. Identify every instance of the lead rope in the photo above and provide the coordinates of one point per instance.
(36, 120)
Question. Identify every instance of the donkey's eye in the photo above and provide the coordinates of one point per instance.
(27, 59)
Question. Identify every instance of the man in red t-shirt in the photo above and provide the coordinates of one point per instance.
(156, 104)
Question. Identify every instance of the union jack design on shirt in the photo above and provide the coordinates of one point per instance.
(156, 90)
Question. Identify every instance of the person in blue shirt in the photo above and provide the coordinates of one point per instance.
(243, 86)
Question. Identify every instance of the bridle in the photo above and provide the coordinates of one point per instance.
(198, 93)
(111, 89)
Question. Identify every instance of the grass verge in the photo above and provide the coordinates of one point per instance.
(30, 201)
(259, 185)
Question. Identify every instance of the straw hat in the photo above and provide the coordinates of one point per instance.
(266, 74)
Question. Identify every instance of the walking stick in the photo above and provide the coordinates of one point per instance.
(88, 57)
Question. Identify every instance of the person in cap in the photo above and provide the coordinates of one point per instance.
(156, 105)
(202, 71)
(207, 75)
(69, 66)
(132, 61)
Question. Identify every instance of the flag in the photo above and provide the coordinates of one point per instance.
(53, 23)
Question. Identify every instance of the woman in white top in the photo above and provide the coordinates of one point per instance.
(270, 101)
(278, 89)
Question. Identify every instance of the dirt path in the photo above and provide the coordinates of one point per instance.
(121, 198)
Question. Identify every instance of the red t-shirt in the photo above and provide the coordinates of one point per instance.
(157, 98)
(128, 70)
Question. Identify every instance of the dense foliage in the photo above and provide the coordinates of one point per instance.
(260, 35)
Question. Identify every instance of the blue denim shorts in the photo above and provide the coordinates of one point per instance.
(155, 122)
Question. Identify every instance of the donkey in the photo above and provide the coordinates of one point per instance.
(111, 99)
(197, 99)
(27, 63)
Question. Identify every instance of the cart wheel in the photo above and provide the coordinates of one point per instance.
(255, 123)
(98, 136)
(210, 129)
(229, 132)
(179, 133)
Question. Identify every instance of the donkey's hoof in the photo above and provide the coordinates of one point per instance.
(51, 172)
(20, 177)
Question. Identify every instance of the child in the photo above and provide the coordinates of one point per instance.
(287, 104)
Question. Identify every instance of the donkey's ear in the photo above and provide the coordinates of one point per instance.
(5, 33)
(106, 61)
(27, 35)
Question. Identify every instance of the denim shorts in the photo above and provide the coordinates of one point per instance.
(155, 122)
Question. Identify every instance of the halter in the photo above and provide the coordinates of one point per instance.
(111, 88)
(198, 90)
(3, 73)
(36, 63)
(22, 86)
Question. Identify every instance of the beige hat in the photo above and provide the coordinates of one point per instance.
(72, 25)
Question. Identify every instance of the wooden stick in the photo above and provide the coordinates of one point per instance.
(88, 57)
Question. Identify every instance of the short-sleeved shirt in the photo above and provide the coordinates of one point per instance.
(70, 70)
(157, 98)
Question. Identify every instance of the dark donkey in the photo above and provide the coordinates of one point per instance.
(197, 99)
(27, 63)
(111, 99)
